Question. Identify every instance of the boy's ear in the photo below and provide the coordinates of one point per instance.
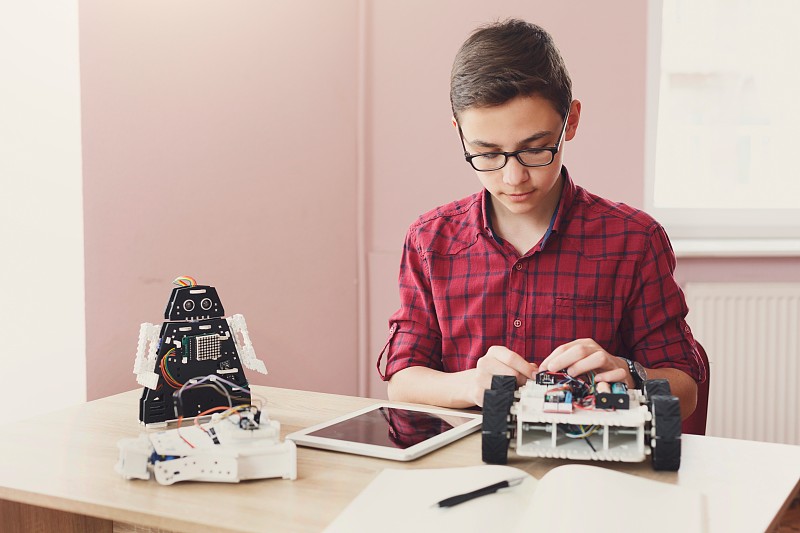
(573, 120)
(455, 123)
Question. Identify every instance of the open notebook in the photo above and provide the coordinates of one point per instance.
(569, 498)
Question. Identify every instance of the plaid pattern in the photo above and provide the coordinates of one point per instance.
(605, 272)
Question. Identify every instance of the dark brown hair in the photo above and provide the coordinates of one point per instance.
(501, 61)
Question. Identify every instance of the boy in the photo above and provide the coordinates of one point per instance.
(533, 273)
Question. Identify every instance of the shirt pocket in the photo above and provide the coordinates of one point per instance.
(586, 318)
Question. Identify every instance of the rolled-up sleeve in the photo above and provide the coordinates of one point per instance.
(415, 338)
(654, 325)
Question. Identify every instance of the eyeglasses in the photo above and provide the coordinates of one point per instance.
(528, 157)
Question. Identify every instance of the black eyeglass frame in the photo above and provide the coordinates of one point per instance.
(552, 149)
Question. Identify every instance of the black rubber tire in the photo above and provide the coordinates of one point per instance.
(666, 445)
(655, 387)
(508, 383)
(495, 428)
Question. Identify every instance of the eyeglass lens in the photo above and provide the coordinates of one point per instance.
(531, 158)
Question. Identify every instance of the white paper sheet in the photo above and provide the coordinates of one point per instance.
(404, 501)
(569, 498)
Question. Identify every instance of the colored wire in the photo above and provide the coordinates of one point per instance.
(207, 412)
(236, 410)
(207, 381)
(180, 418)
(592, 383)
(185, 281)
(584, 432)
(171, 381)
(214, 387)
(587, 403)
(215, 382)
(582, 392)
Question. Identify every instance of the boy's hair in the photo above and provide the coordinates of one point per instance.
(501, 61)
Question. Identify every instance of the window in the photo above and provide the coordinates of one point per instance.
(723, 113)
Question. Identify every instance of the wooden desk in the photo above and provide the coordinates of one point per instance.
(56, 474)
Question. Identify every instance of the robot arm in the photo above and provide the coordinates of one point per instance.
(146, 354)
(243, 345)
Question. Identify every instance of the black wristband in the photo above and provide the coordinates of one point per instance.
(638, 373)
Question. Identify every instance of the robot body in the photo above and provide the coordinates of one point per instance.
(194, 341)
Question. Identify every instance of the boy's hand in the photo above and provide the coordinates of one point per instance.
(583, 355)
(500, 361)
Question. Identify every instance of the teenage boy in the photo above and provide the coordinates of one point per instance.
(533, 273)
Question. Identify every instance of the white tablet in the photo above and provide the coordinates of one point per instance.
(390, 431)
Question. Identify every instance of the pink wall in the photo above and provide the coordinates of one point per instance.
(188, 107)
(218, 142)
(409, 72)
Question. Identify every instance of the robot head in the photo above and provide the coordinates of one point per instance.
(194, 303)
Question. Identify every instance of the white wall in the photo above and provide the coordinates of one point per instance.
(41, 208)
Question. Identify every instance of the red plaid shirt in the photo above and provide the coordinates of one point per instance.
(603, 272)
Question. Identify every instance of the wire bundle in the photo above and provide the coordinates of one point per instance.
(218, 384)
(583, 394)
(185, 281)
(171, 381)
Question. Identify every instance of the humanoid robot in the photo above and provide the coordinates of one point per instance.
(192, 367)
(194, 341)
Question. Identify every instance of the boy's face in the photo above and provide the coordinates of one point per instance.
(521, 123)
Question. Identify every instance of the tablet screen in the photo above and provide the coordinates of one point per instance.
(391, 426)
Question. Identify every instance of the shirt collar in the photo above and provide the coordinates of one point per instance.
(568, 193)
(556, 222)
(486, 207)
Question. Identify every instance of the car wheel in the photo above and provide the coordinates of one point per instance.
(656, 387)
(495, 429)
(507, 383)
(666, 432)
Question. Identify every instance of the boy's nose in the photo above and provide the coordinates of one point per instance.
(514, 172)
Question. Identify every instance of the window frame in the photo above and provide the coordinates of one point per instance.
(782, 225)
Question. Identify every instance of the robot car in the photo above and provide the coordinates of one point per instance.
(565, 417)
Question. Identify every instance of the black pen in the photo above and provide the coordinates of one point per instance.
(491, 489)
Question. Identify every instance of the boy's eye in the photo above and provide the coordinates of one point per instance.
(535, 157)
(490, 156)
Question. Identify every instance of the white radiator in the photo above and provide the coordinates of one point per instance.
(751, 334)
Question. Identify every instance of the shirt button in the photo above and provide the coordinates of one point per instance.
(518, 266)
(517, 323)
